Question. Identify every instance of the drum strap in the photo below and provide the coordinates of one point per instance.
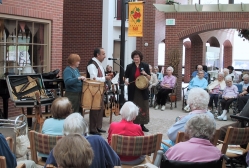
(97, 66)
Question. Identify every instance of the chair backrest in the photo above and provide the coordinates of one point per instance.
(180, 164)
(3, 162)
(136, 145)
(42, 143)
(235, 136)
(182, 137)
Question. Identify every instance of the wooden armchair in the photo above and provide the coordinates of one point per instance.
(42, 143)
(136, 146)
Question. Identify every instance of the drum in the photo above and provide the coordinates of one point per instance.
(142, 82)
(92, 94)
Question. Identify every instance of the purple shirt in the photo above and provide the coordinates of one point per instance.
(171, 80)
(194, 150)
(231, 92)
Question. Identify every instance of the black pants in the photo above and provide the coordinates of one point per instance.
(226, 103)
(162, 96)
(213, 98)
(242, 102)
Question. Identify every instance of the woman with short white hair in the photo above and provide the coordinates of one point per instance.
(126, 127)
(167, 85)
(198, 102)
(200, 130)
(229, 94)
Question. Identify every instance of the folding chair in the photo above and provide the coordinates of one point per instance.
(136, 146)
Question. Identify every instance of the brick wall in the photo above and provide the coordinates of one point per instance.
(49, 10)
(189, 24)
(228, 54)
(82, 29)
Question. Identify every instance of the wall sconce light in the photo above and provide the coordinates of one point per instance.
(146, 44)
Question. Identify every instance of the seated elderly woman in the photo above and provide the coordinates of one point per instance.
(158, 73)
(103, 153)
(198, 102)
(126, 127)
(153, 83)
(68, 152)
(229, 94)
(60, 109)
(200, 130)
(214, 91)
(167, 85)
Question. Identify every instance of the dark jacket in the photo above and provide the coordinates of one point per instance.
(130, 73)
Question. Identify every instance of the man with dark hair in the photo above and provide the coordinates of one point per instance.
(199, 68)
(96, 71)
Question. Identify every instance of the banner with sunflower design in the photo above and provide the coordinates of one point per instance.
(135, 27)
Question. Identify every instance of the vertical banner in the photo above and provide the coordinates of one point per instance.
(135, 27)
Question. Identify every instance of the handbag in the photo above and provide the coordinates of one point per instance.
(158, 86)
(22, 143)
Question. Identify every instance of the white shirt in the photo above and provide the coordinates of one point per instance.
(93, 71)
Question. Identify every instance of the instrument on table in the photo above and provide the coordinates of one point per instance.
(107, 110)
(92, 94)
(116, 112)
(142, 82)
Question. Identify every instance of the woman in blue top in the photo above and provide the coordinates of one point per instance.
(73, 81)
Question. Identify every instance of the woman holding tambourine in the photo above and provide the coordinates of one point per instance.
(139, 96)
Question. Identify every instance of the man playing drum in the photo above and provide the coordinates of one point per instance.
(96, 71)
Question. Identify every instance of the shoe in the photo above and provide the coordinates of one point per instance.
(100, 130)
(163, 108)
(95, 133)
(157, 106)
(223, 116)
(144, 129)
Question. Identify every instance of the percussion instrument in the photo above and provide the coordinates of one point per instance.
(142, 82)
(92, 94)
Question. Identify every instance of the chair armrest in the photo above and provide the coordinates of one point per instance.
(158, 159)
(21, 165)
(220, 142)
(10, 142)
(226, 158)
(166, 144)
(240, 118)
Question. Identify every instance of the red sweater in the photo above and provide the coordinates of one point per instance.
(125, 128)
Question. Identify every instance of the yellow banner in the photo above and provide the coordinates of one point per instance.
(135, 27)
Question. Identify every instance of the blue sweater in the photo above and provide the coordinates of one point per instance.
(103, 154)
(70, 77)
(196, 82)
(5, 151)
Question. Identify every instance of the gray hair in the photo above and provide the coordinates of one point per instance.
(171, 68)
(198, 99)
(201, 126)
(225, 71)
(245, 76)
(75, 124)
(129, 111)
(221, 73)
(228, 78)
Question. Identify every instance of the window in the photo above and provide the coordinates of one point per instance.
(24, 45)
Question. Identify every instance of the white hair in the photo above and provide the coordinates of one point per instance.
(170, 68)
(198, 99)
(201, 126)
(129, 111)
(245, 76)
(221, 73)
(75, 124)
(228, 78)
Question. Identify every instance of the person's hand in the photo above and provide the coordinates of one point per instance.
(126, 82)
(82, 78)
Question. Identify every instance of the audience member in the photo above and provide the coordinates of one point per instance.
(167, 85)
(242, 99)
(126, 127)
(159, 74)
(245, 82)
(229, 94)
(233, 74)
(153, 83)
(60, 109)
(243, 113)
(198, 81)
(199, 68)
(68, 153)
(198, 102)
(103, 153)
(10, 157)
(226, 72)
(200, 130)
(214, 91)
